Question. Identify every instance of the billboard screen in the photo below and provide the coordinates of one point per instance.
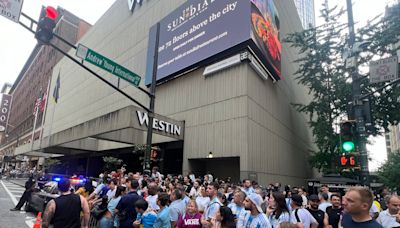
(201, 29)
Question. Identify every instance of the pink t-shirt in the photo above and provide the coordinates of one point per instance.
(189, 221)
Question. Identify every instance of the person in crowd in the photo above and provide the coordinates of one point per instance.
(303, 195)
(109, 219)
(192, 176)
(374, 210)
(192, 218)
(112, 188)
(176, 208)
(325, 188)
(213, 206)
(301, 216)
(29, 186)
(277, 210)
(247, 187)
(335, 211)
(387, 218)
(222, 198)
(237, 205)
(224, 218)
(318, 214)
(170, 188)
(202, 200)
(163, 218)
(254, 216)
(151, 198)
(382, 197)
(155, 173)
(324, 203)
(86, 189)
(145, 216)
(195, 190)
(126, 206)
(187, 184)
(356, 205)
(65, 210)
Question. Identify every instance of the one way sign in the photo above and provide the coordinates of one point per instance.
(11, 9)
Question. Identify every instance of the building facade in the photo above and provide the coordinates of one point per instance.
(393, 139)
(233, 123)
(306, 11)
(30, 88)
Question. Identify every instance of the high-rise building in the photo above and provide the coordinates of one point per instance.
(393, 139)
(306, 11)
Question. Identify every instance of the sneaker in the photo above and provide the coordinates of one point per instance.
(15, 209)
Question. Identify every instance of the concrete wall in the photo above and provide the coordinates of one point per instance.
(233, 113)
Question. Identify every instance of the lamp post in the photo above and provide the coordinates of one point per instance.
(357, 101)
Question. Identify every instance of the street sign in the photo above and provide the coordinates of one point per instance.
(106, 64)
(383, 70)
(11, 9)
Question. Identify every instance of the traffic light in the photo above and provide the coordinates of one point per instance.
(347, 136)
(46, 24)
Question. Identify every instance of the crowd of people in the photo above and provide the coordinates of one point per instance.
(153, 200)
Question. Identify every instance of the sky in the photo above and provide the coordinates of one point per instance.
(17, 43)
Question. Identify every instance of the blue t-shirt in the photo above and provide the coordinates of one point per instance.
(148, 218)
(348, 222)
(162, 220)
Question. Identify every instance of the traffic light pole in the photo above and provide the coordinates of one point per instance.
(357, 102)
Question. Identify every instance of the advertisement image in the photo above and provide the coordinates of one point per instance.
(265, 33)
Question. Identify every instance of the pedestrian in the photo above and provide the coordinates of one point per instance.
(254, 216)
(65, 210)
(163, 219)
(300, 216)
(202, 200)
(192, 218)
(247, 187)
(335, 211)
(146, 217)
(109, 219)
(213, 206)
(277, 210)
(356, 204)
(224, 218)
(26, 196)
(126, 206)
(177, 207)
(324, 203)
(318, 214)
(387, 218)
(237, 205)
(152, 190)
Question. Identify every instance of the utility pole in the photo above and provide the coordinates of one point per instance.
(357, 102)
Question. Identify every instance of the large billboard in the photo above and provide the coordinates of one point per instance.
(201, 29)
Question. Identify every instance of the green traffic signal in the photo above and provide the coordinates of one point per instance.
(348, 146)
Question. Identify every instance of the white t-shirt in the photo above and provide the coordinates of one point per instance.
(304, 216)
(111, 193)
(152, 200)
(387, 220)
(374, 209)
(324, 205)
(202, 202)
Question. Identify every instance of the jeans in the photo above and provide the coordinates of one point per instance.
(106, 223)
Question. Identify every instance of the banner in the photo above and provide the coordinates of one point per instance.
(4, 111)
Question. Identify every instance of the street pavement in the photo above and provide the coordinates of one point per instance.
(10, 194)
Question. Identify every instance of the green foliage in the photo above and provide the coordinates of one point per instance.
(322, 70)
(389, 172)
(111, 163)
(50, 164)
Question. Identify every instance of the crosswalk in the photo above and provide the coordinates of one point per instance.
(15, 192)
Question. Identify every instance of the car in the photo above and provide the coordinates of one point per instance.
(40, 197)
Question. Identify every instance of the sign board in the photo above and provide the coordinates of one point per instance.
(201, 29)
(383, 70)
(11, 9)
(4, 111)
(108, 65)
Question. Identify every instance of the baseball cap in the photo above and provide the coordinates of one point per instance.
(257, 200)
(297, 199)
(314, 198)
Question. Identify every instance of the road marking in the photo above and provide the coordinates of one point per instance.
(13, 199)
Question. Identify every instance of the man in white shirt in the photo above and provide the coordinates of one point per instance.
(301, 216)
(387, 218)
(152, 190)
(324, 202)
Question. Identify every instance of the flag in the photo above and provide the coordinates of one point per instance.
(56, 92)
(43, 103)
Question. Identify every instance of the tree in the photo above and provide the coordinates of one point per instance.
(322, 70)
(389, 172)
(111, 163)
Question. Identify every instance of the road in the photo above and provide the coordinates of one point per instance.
(9, 195)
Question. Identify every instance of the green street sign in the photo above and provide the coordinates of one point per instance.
(106, 64)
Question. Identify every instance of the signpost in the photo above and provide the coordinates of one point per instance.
(106, 64)
(11, 9)
(383, 70)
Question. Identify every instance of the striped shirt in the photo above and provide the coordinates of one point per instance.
(246, 220)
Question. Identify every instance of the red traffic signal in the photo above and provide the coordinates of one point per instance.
(46, 24)
(348, 161)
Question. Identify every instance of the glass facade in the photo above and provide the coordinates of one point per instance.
(305, 8)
